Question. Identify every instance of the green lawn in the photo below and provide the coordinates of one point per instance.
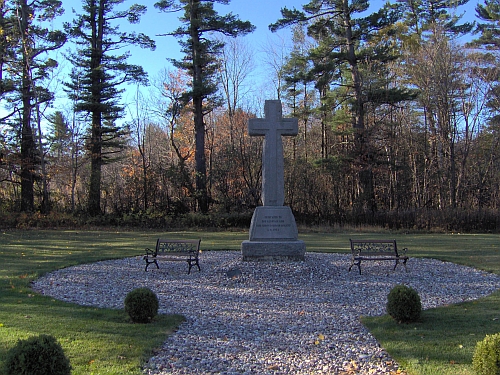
(103, 341)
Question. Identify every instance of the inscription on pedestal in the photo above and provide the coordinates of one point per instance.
(273, 223)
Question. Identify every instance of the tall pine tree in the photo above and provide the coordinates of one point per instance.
(422, 16)
(200, 20)
(9, 35)
(96, 83)
(25, 40)
(346, 51)
(489, 41)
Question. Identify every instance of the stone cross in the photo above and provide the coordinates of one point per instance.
(273, 126)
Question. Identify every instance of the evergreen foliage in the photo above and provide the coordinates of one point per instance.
(398, 119)
(403, 304)
(349, 51)
(489, 42)
(486, 360)
(422, 16)
(141, 305)
(25, 38)
(199, 21)
(97, 76)
(38, 355)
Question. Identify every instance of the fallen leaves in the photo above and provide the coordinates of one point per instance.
(320, 338)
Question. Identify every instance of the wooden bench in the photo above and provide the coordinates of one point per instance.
(376, 250)
(175, 250)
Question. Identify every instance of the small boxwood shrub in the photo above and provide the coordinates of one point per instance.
(403, 304)
(38, 355)
(486, 359)
(141, 304)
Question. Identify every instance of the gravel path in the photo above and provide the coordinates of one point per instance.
(268, 317)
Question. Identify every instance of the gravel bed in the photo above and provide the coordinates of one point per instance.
(268, 317)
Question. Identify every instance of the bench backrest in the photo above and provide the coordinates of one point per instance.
(375, 247)
(177, 246)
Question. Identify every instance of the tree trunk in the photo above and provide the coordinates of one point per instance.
(366, 198)
(94, 202)
(28, 145)
(27, 162)
(199, 124)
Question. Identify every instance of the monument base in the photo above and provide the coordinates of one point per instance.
(273, 223)
(273, 250)
(273, 236)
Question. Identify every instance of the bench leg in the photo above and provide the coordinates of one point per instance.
(150, 262)
(190, 263)
(404, 264)
(357, 264)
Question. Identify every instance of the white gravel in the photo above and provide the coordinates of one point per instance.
(269, 317)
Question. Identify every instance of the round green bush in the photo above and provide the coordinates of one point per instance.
(141, 304)
(38, 355)
(486, 359)
(403, 304)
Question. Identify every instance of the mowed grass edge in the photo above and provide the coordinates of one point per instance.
(103, 341)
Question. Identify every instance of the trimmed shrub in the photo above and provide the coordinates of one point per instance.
(486, 359)
(38, 355)
(141, 304)
(403, 304)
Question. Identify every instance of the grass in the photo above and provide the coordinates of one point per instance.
(443, 342)
(104, 341)
(97, 341)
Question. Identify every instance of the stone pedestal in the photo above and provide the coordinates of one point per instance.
(273, 236)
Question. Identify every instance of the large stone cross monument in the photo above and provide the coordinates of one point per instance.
(273, 232)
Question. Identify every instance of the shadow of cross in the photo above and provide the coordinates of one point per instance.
(272, 127)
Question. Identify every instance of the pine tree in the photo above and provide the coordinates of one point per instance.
(199, 21)
(422, 16)
(298, 83)
(24, 43)
(433, 66)
(96, 81)
(9, 36)
(489, 41)
(347, 51)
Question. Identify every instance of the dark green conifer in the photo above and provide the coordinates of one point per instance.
(98, 75)
(199, 21)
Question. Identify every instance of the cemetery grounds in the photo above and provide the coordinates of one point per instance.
(103, 341)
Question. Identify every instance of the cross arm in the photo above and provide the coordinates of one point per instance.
(286, 126)
(258, 126)
(289, 126)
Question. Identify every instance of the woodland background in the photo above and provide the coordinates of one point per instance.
(398, 114)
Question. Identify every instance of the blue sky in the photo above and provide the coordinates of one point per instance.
(259, 12)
